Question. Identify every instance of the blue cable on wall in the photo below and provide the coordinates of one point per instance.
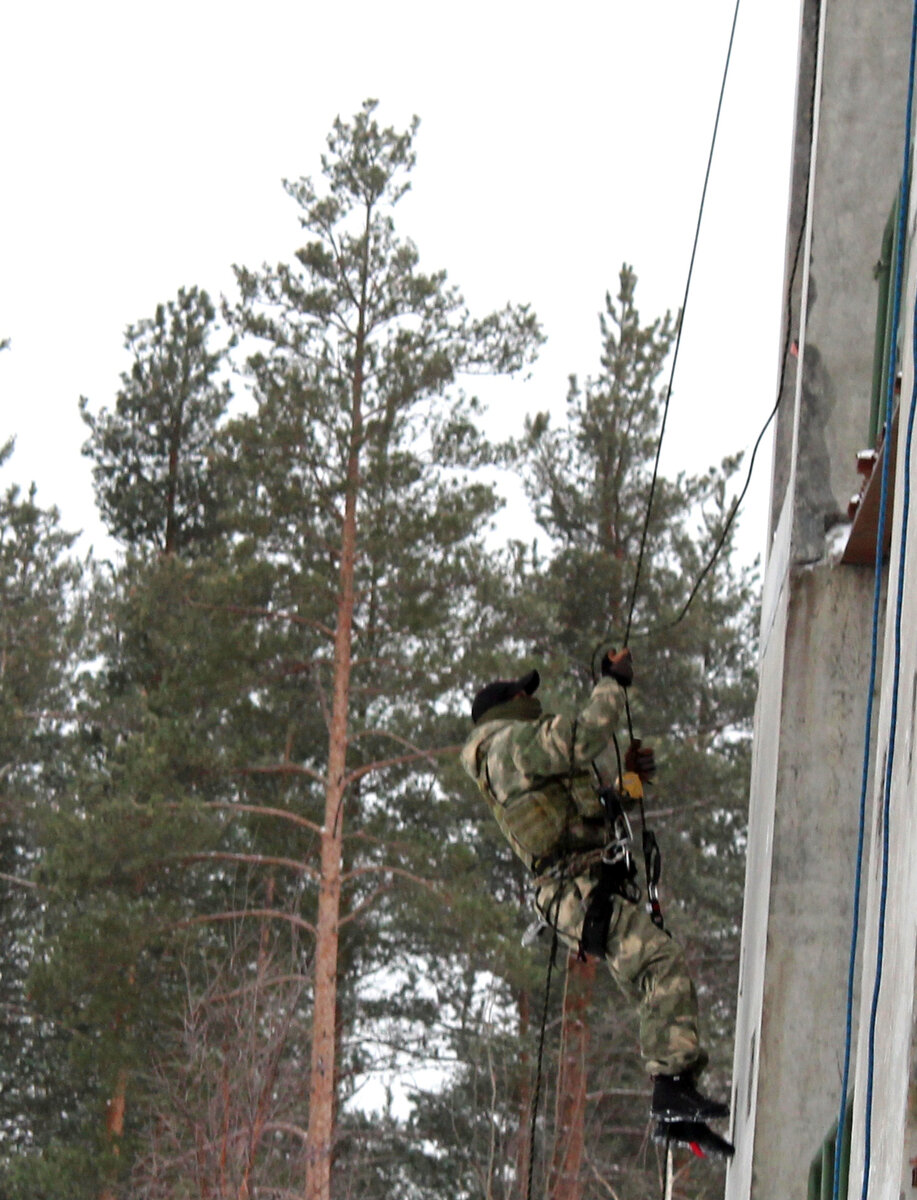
(886, 801)
(864, 790)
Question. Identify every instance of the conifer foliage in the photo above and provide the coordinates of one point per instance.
(153, 455)
(39, 634)
(359, 348)
(267, 937)
(589, 478)
(267, 698)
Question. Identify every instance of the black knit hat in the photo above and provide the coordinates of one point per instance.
(502, 690)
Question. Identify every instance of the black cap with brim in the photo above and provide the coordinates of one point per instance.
(502, 690)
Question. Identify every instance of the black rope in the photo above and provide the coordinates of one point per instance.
(539, 1062)
(536, 1096)
(556, 901)
(652, 856)
(681, 322)
(784, 362)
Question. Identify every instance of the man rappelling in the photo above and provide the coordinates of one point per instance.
(535, 772)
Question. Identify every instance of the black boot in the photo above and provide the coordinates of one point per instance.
(675, 1098)
(698, 1137)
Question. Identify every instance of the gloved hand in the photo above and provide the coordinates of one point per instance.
(619, 666)
(641, 760)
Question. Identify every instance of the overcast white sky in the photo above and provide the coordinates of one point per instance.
(144, 145)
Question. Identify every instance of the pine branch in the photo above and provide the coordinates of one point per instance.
(258, 860)
(261, 810)
(242, 914)
(400, 872)
(363, 906)
(14, 879)
(282, 768)
(383, 764)
(245, 610)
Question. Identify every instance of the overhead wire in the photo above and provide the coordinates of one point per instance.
(781, 378)
(784, 363)
(681, 322)
(540, 1052)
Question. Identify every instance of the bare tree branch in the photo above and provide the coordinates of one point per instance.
(364, 905)
(244, 914)
(244, 610)
(286, 1127)
(382, 764)
(24, 883)
(257, 860)
(263, 810)
(256, 985)
(602, 1181)
(281, 768)
(381, 868)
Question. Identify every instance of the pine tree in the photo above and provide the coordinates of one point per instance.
(274, 683)
(360, 457)
(39, 630)
(153, 455)
(693, 694)
(119, 849)
(588, 479)
(260, 839)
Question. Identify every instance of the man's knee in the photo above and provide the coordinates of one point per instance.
(641, 955)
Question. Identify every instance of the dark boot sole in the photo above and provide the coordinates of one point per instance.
(696, 1136)
(714, 1111)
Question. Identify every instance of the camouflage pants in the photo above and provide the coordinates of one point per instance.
(648, 966)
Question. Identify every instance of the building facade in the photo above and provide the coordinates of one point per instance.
(825, 740)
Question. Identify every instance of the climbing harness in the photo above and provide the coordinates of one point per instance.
(615, 866)
(617, 875)
(612, 864)
(652, 855)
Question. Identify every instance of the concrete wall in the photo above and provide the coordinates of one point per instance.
(856, 173)
(816, 615)
(798, 910)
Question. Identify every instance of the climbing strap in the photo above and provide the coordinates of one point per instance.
(652, 855)
(652, 860)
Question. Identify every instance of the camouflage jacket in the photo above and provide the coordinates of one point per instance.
(536, 775)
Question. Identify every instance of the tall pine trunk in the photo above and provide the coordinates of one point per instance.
(115, 1111)
(323, 1067)
(569, 1138)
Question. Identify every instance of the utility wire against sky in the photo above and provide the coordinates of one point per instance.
(470, 185)
(681, 322)
(784, 362)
